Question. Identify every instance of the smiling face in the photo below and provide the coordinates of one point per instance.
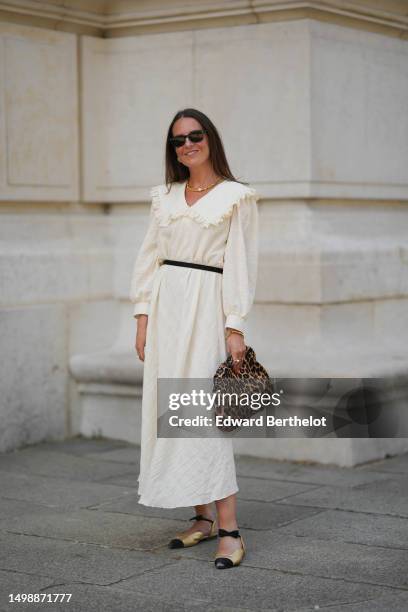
(191, 154)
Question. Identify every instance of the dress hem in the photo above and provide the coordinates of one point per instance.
(196, 502)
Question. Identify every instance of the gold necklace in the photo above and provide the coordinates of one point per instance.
(198, 189)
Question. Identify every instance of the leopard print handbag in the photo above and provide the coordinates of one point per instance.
(233, 391)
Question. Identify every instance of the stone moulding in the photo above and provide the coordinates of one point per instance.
(113, 18)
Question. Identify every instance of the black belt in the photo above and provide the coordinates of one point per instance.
(187, 264)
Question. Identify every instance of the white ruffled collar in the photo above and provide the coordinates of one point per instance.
(211, 209)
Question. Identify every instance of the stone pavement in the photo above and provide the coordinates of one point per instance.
(318, 538)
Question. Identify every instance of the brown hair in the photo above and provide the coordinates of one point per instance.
(176, 172)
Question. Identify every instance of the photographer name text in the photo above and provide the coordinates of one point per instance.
(258, 421)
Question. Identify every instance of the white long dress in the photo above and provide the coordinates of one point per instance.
(188, 311)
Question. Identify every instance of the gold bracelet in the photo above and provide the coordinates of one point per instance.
(231, 330)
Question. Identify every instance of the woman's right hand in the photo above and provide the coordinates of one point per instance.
(141, 336)
(236, 346)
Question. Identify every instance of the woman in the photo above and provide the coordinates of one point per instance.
(188, 318)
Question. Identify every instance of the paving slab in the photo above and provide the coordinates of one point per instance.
(259, 489)
(264, 516)
(302, 472)
(396, 601)
(127, 477)
(64, 560)
(94, 527)
(245, 586)
(80, 445)
(19, 582)
(61, 465)
(56, 492)
(352, 562)
(94, 598)
(14, 508)
(316, 558)
(354, 527)
(129, 455)
(388, 496)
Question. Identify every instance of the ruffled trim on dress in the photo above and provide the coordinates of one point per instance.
(155, 194)
(211, 213)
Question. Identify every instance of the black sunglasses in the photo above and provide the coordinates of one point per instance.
(194, 136)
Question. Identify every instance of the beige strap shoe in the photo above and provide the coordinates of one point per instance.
(197, 536)
(234, 558)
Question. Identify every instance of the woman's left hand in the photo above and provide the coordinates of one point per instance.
(236, 346)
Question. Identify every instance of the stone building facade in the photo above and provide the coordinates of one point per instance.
(311, 100)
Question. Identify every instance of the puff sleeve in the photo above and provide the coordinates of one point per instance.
(144, 269)
(241, 262)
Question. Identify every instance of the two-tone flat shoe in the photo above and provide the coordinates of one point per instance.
(234, 558)
(197, 536)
